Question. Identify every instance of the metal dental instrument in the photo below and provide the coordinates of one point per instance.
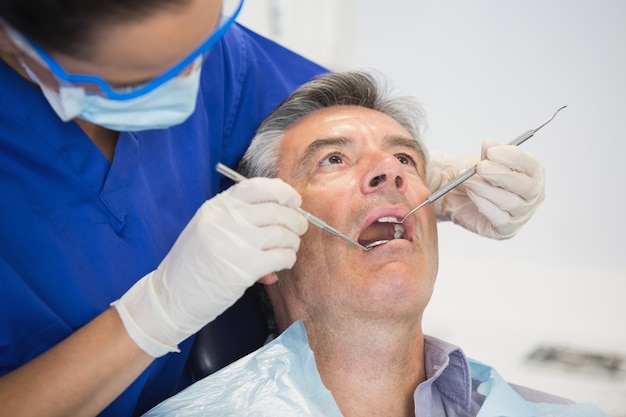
(237, 177)
(470, 172)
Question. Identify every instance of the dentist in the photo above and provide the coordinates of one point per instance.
(116, 246)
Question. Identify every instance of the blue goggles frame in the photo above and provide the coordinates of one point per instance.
(135, 92)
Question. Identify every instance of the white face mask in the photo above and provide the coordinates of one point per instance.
(169, 104)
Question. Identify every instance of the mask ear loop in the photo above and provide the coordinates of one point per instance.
(51, 93)
(26, 49)
(21, 43)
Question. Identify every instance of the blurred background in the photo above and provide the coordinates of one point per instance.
(548, 307)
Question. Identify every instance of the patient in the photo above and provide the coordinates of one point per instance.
(351, 320)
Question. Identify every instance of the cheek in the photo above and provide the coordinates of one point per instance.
(421, 189)
(329, 200)
(427, 234)
(319, 255)
(430, 222)
(309, 285)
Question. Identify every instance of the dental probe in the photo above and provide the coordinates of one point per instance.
(237, 177)
(470, 172)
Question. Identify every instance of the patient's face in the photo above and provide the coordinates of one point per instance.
(354, 166)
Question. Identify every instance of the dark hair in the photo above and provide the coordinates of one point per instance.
(69, 26)
(265, 308)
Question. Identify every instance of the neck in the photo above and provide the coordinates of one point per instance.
(11, 61)
(372, 369)
(105, 139)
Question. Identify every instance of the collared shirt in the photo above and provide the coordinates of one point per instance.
(448, 389)
(452, 387)
(281, 379)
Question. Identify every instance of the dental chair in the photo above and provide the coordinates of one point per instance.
(238, 331)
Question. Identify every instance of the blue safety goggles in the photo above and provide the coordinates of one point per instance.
(229, 14)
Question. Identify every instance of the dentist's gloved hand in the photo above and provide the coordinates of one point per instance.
(235, 238)
(497, 201)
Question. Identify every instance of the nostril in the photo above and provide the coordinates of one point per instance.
(398, 182)
(377, 180)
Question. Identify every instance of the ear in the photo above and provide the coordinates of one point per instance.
(269, 279)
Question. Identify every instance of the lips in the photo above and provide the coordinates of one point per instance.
(382, 227)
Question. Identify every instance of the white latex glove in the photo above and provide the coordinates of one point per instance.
(497, 201)
(235, 238)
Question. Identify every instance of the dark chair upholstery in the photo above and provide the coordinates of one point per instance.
(238, 331)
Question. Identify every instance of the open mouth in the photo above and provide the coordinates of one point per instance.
(385, 228)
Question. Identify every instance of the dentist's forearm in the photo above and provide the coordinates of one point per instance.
(80, 376)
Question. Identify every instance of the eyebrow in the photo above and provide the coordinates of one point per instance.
(313, 149)
(404, 142)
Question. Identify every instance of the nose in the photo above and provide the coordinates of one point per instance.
(386, 173)
(379, 179)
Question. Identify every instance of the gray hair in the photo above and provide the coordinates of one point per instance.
(357, 88)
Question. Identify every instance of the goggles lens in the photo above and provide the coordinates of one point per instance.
(97, 85)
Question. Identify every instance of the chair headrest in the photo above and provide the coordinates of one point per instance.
(238, 331)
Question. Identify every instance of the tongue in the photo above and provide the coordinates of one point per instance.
(377, 231)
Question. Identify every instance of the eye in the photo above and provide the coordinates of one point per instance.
(332, 159)
(405, 159)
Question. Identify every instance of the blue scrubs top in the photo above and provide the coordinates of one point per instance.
(77, 230)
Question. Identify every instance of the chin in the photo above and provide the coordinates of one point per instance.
(398, 281)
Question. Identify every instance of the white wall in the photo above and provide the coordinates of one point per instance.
(495, 68)
(311, 28)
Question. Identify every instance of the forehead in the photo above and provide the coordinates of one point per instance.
(354, 126)
(147, 47)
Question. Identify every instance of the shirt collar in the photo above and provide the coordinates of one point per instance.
(448, 368)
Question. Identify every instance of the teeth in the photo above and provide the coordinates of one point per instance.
(398, 231)
(398, 228)
(388, 220)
